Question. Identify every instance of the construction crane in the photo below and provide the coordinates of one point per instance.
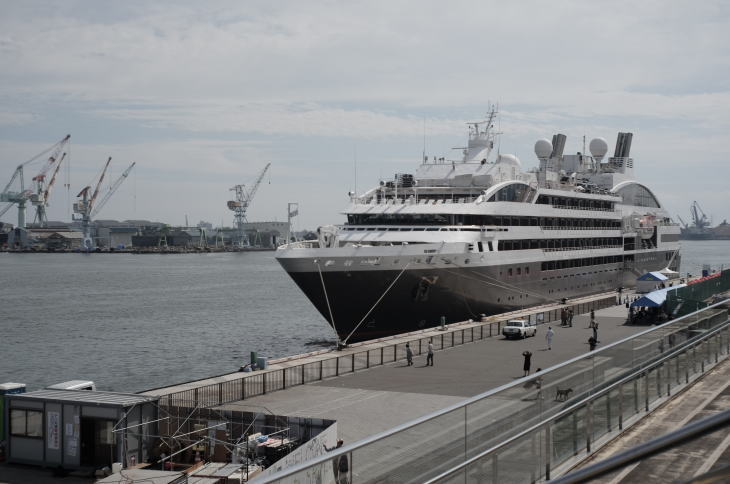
(87, 208)
(21, 195)
(40, 198)
(699, 219)
(240, 205)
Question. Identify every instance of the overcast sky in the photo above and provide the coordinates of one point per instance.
(203, 94)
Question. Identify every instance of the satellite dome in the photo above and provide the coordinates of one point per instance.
(509, 160)
(598, 148)
(543, 149)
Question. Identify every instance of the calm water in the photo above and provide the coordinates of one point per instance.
(133, 322)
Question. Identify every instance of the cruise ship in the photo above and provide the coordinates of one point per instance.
(460, 239)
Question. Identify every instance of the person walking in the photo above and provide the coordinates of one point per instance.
(429, 356)
(409, 354)
(526, 365)
(570, 317)
(563, 316)
(593, 314)
(592, 343)
(549, 337)
(595, 330)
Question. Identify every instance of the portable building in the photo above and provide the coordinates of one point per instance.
(78, 429)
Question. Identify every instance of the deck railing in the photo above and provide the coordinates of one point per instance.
(537, 427)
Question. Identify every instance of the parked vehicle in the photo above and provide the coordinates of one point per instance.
(519, 328)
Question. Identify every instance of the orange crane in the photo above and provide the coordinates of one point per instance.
(87, 207)
(40, 198)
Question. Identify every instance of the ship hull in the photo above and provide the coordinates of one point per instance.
(367, 304)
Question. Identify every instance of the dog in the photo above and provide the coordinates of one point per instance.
(562, 395)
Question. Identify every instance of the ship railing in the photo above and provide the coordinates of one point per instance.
(301, 244)
(538, 427)
(563, 227)
(590, 247)
(413, 200)
(590, 209)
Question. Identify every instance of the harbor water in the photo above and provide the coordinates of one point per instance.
(133, 322)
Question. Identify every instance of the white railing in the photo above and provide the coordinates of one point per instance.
(591, 247)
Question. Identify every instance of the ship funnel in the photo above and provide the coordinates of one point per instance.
(558, 145)
(599, 148)
(623, 145)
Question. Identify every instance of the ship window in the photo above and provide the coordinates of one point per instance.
(519, 271)
(481, 247)
(637, 195)
(514, 192)
(527, 270)
(509, 271)
(489, 246)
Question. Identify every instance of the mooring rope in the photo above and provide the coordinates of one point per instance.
(326, 298)
(377, 302)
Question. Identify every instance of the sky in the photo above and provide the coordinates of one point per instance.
(338, 95)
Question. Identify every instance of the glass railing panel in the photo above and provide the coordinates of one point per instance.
(614, 408)
(415, 454)
(652, 382)
(458, 477)
(613, 363)
(519, 461)
(600, 417)
(564, 434)
(628, 399)
(481, 471)
(492, 420)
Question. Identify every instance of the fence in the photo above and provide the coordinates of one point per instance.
(691, 297)
(332, 365)
(530, 429)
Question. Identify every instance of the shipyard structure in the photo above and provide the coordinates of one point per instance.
(140, 235)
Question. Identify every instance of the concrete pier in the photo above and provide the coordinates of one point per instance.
(368, 402)
(372, 400)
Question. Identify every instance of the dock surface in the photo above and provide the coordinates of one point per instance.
(367, 402)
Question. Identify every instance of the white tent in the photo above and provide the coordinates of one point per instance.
(650, 281)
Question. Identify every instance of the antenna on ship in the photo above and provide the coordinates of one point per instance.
(423, 157)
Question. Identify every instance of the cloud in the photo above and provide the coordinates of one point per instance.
(204, 92)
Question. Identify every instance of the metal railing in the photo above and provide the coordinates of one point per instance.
(587, 247)
(385, 351)
(685, 434)
(567, 227)
(533, 428)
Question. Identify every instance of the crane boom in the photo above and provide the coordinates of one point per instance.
(255, 187)
(5, 209)
(56, 150)
(49, 187)
(19, 170)
(111, 191)
(98, 184)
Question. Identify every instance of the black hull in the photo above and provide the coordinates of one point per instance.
(364, 305)
(409, 305)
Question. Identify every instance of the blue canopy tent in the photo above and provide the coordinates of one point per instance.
(654, 299)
